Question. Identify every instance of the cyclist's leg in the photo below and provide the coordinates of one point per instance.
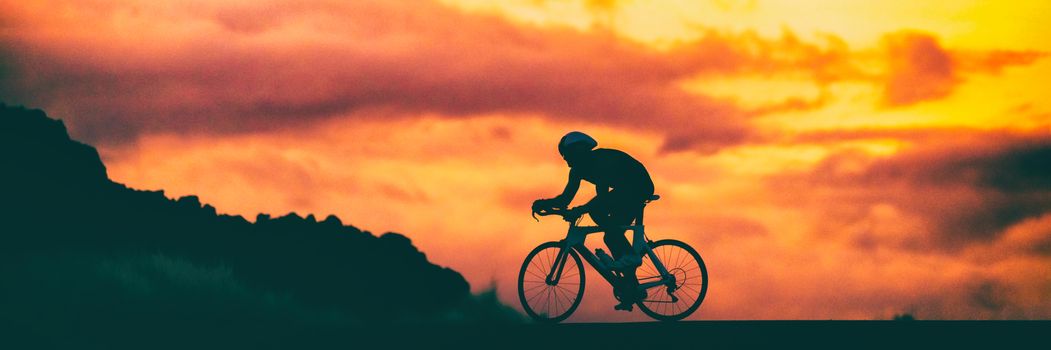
(623, 212)
(605, 213)
(616, 239)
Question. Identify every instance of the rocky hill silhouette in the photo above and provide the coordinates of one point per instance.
(81, 254)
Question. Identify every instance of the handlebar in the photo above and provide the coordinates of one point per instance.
(550, 211)
(563, 212)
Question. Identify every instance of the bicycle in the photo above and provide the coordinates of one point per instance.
(551, 281)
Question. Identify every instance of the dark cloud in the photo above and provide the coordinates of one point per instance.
(1008, 182)
(989, 296)
(981, 296)
(1021, 168)
(1043, 246)
(967, 188)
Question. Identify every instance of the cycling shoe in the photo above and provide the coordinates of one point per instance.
(624, 306)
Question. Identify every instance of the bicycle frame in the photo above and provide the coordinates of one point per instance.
(575, 240)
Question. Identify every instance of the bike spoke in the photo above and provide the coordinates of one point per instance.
(658, 293)
(692, 297)
(570, 295)
(535, 287)
(555, 302)
(530, 299)
(650, 267)
(544, 278)
(693, 290)
(533, 263)
(547, 259)
(547, 301)
(647, 271)
(554, 291)
(565, 278)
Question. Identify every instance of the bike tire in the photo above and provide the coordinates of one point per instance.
(535, 295)
(691, 278)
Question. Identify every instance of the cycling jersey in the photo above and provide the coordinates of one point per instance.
(613, 173)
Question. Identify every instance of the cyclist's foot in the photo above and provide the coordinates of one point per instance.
(627, 301)
(627, 262)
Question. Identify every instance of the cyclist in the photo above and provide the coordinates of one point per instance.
(622, 185)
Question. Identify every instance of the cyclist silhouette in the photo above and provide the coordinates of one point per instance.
(622, 185)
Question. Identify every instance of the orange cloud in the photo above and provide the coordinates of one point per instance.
(995, 61)
(217, 72)
(237, 68)
(919, 69)
(220, 68)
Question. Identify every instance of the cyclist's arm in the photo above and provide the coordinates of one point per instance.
(600, 191)
(572, 185)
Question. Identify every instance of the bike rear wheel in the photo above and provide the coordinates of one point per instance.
(691, 281)
(550, 303)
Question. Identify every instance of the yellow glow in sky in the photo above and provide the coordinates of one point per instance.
(964, 23)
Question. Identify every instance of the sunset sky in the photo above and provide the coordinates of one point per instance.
(829, 159)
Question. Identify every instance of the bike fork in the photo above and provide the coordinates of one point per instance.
(556, 268)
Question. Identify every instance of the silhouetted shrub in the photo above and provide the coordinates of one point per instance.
(904, 317)
(78, 251)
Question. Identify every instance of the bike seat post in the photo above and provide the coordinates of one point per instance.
(638, 241)
(638, 219)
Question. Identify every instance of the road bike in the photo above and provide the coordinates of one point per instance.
(551, 281)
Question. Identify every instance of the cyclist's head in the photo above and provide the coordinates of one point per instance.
(574, 144)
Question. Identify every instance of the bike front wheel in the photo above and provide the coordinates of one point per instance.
(691, 281)
(550, 302)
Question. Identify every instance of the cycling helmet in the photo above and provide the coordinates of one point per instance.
(575, 140)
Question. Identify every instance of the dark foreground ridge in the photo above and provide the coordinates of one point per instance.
(735, 335)
(84, 257)
(650, 335)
